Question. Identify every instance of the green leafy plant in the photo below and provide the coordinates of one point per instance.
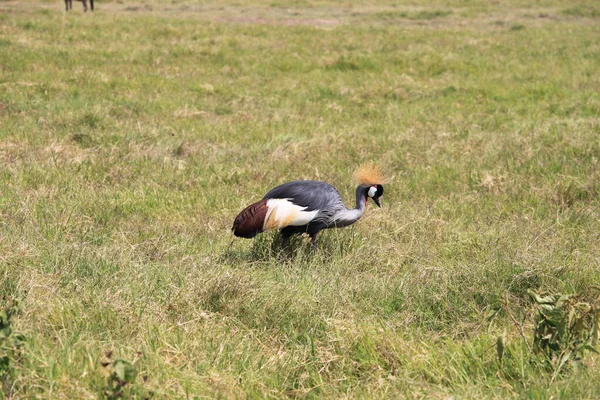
(121, 382)
(566, 327)
(10, 346)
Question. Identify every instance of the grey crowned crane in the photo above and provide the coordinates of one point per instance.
(308, 207)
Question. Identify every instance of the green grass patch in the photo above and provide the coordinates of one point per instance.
(586, 11)
(132, 136)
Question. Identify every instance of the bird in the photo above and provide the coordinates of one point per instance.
(308, 206)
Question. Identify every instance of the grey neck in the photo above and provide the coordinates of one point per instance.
(348, 216)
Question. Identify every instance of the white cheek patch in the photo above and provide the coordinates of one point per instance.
(372, 191)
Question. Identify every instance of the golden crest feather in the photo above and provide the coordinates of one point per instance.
(369, 174)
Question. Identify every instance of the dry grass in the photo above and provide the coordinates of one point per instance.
(131, 137)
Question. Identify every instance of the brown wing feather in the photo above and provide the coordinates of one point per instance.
(249, 222)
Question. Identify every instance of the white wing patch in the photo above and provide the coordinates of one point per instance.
(282, 213)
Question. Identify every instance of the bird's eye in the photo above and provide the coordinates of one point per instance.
(372, 191)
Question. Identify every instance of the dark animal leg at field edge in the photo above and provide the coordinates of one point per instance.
(69, 5)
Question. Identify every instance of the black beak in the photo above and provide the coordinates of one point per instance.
(376, 200)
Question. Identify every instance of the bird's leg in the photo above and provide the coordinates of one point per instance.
(285, 244)
(313, 239)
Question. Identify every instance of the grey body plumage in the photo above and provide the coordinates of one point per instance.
(315, 196)
(323, 198)
(304, 206)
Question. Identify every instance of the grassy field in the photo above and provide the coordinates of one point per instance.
(132, 136)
